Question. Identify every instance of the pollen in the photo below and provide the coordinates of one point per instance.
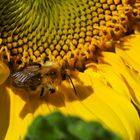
(33, 31)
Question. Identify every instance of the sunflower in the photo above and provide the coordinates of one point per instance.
(93, 47)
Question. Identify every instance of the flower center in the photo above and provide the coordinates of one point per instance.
(69, 32)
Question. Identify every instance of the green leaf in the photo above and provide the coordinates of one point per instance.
(59, 127)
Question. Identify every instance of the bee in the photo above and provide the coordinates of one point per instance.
(42, 78)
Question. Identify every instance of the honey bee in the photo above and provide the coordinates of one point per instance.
(42, 78)
(38, 77)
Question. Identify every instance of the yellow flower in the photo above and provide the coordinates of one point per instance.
(87, 39)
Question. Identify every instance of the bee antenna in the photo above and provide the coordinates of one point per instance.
(72, 84)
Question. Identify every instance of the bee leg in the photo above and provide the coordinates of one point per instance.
(51, 89)
(42, 92)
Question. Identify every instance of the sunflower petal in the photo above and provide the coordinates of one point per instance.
(110, 78)
(114, 80)
(130, 77)
(113, 109)
(93, 100)
(17, 127)
(129, 49)
(24, 107)
(104, 105)
(4, 72)
(4, 112)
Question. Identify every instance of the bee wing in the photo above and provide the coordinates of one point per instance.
(20, 78)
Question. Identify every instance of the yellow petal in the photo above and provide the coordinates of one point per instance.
(4, 72)
(113, 109)
(114, 80)
(23, 108)
(4, 112)
(130, 77)
(129, 50)
(111, 78)
(18, 121)
(104, 105)
(93, 100)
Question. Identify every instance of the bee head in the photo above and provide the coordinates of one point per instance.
(51, 73)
